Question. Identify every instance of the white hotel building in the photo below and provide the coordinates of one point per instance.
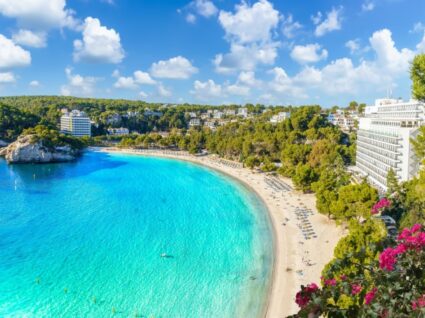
(383, 140)
(75, 123)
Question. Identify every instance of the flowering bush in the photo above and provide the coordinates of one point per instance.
(304, 296)
(391, 286)
(379, 206)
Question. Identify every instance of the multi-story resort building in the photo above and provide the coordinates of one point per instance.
(345, 121)
(218, 114)
(211, 124)
(229, 112)
(279, 117)
(383, 140)
(118, 131)
(243, 112)
(75, 123)
(195, 122)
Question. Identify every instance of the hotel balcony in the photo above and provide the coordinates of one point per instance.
(376, 155)
(369, 170)
(377, 149)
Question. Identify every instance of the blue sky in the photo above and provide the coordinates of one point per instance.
(271, 52)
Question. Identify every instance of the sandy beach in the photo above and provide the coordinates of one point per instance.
(303, 239)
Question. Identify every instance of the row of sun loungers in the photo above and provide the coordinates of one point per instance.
(165, 152)
(229, 163)
(304, 224)
(277, 184)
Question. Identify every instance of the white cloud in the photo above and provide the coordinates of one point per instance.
(421, 46)
(205, 8)
(249, 30)
(143, 94)
(283, 85)
(133, 82)
(248, 78)
(317, 18)
(331, 23)
(290, 27)
(245, 57)
(343, 77)
(175, 68)
(310, 53)
(239, 90)
(30, 38)
(115, 73)
(308, 75)
(368, 5)
(250, 24)
(143, 78)
(99, 44)
(353, 45)
(206, 90)
(12, 55)
(418, 27)
(163, 91)
(39, 14)
(78, 85)
(34, 84)
(388, 56)
(7, 78)
(126, 83)
(191, 18)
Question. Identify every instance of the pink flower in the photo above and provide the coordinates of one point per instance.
(355, 289)
(343, 277)
(370, 296)
(303, 297)
(413, 238)
(380, 205)
(312, 287)
(400, 249)
(387, 259)
(404, 234)
(419, 303)
(330, 282)
(416, 228)
(414, 305)
(301, 300)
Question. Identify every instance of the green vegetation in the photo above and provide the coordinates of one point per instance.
(417, 75)
(51, 138)
(372, 274)
(13, 121)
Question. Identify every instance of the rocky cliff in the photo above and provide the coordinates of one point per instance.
(26, 150)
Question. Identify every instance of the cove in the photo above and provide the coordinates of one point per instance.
(115, 235)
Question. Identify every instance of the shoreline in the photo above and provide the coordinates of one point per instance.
(293, 264)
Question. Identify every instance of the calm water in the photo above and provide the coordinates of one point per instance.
(85, 240)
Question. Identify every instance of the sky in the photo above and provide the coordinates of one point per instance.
(273, 52)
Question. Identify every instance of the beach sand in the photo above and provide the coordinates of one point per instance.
(297, 260)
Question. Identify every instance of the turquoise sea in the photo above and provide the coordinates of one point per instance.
(85, 239)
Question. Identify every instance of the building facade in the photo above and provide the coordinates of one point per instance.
(278, 118)
(195, 122)
(346, 121)
(118, 131)
(383, 140)
(75, 123)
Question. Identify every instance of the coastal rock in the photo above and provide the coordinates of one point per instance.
(25, 150)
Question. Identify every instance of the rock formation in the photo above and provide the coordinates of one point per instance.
(26, 150)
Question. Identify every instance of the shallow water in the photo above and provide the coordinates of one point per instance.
(85, 239)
